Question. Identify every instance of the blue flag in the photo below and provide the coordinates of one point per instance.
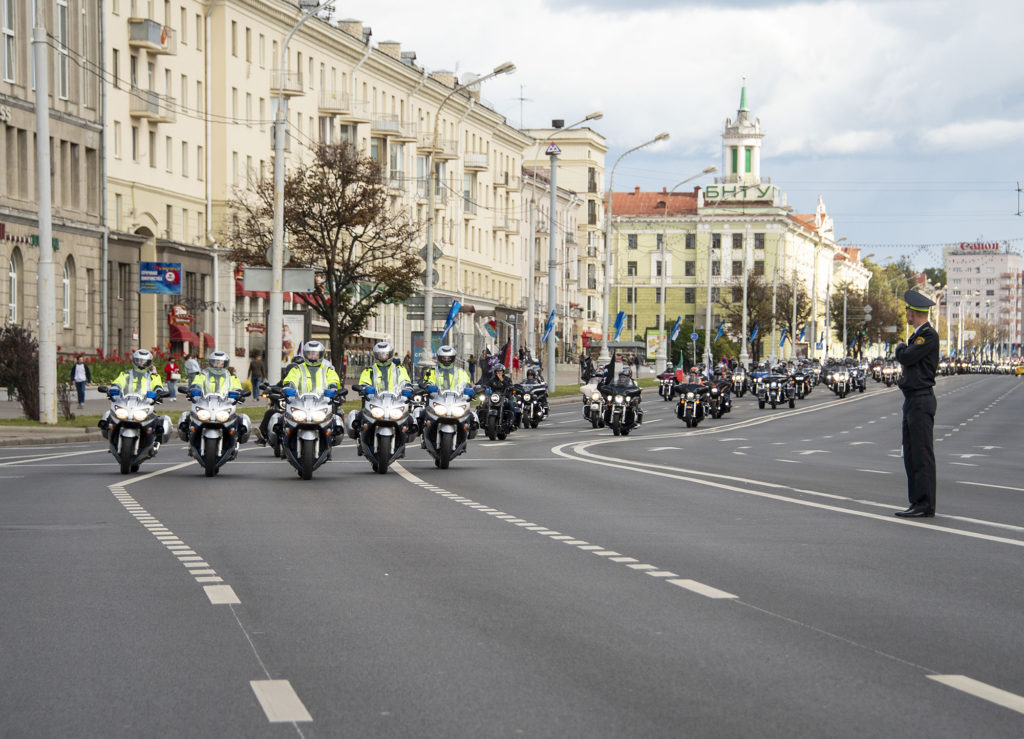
(821, 343)
(548, 326)
(721, 330)
(753, 334)
(675, 329)
(619, 321)
(803, 332)
(450, 321)
(887, 347)
(782, 341)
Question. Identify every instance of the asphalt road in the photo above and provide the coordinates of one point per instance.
(746, 578)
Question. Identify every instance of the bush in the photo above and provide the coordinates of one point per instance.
(19, 367)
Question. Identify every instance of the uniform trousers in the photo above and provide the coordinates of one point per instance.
(918, 447)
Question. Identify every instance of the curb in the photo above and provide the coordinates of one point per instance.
(34, 437)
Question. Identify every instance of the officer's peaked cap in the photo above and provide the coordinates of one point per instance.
(917, 301)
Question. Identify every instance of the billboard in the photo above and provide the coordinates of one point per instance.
(160, 278)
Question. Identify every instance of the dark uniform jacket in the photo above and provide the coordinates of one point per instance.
(920, 359)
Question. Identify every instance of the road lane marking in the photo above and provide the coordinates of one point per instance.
(701, 589)
(280, 701)
(981, 690)
(221, 594)
(877, 472)
(987, 485)
(28, 460)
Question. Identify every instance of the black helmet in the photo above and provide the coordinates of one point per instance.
(531, 372)
(499, 367)
(446, 356)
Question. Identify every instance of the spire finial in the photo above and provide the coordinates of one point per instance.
(743, 94)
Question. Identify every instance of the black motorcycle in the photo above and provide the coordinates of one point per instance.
(533, 403)
(666, 381)
(776, 389)
(497, 413)
(621, 408)
(692, 407)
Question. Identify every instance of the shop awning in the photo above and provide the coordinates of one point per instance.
(182, 333)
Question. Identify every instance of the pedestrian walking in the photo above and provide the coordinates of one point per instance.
(471, 367)
(172, 373)
(80, 375)
(191, 367)
(257, 372)
(920, 359)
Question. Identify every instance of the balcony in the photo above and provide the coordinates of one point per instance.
(334, 103)
(286, 83)
(475, 160)
(358, 111)
(147, 34)
(152, 106)
(382, 123)
(506, 223)
(441, 148)
(591, 283)
(396, 181)
(508, 181)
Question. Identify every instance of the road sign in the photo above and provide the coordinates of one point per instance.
(694, 336)
(553, 149)
(259, 279)
(440, 313)
(436, 279)
(437, 253)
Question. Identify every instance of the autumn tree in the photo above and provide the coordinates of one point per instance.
(339, 223)
(760, 293)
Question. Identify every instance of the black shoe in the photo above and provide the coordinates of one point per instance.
(916, 511)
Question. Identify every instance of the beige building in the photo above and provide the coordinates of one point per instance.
(75, 158)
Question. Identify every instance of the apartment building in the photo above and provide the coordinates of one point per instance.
(75, 107)
(714, 235)
(983, 283)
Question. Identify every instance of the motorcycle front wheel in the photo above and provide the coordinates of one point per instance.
(125, 454)
(490, 429)
(209, 458)
(307, 455)
(383, 454)
(444, 450)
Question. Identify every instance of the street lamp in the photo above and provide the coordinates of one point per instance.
(275, 317)
(427, 353)
(661, 355)
(960, 321)
(604, 357)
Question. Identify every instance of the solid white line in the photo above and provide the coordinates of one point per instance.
(987, 485)
(279, 701)
(877, 472)
(788, 461)
(52, 456)
(221, 594)
(702, 589)
(982, 690)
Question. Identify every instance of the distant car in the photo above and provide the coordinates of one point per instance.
(1019, 369)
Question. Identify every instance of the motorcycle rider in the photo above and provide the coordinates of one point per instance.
(446, 376)
(272, 407)
(500, 383)
(215, 379)
(314, 375)
(139, 379)
(624, 381)
(384, 373)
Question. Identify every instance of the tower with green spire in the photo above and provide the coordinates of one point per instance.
(741, 145)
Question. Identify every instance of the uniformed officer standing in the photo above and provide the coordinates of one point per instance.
(920, 359)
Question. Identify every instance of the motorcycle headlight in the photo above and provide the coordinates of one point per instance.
(202, 414)
(298, 414)
(775, 384)
(459, 409)
(376, 411)
(609, 398)
(397, 413)
(619, 398)
(141, 414)
(526, 396)
(319, 415)
(440, 409)
(689, 395)
(121, 413)
(495, 398)
(223, 415)
(595, 395)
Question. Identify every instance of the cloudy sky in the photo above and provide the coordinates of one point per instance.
(906, 116)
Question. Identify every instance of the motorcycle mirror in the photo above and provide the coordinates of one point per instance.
(183, 389)
(246, 393)
(102, 388)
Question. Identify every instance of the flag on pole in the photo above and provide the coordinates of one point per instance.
(675, 329)
(803, 332)
(753, 334)
(491, 327)
(721, 330)
(548, 326)
(620, 319)
(450, 321)
(782, 341)
(821, 343)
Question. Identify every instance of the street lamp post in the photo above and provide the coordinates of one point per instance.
(275, 317)
(427, 353)
(604, 357)
(960, 321)
(661, 355)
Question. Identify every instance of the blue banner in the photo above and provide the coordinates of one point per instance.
(721, 330)
(619, 320)
(548, 326)
(675, 329)
(782, 341)
(163, 278)
(753, 334)
(450, 321)
(803, 332)
(821, 343)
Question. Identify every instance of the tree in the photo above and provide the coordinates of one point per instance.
(19, 367)
(935, 275)
(339, 224)
(759, 309)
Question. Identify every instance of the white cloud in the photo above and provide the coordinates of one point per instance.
(975, 135)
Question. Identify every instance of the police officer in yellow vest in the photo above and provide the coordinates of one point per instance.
(216, 378)
(447, 376)
(384, 374)
(315, 374)
(140, 378)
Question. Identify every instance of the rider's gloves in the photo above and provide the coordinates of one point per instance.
(329, 392)
(290, 392)
(114, 392)
(234, 395)
(195, 392)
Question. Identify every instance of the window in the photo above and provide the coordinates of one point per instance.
(688, 318)
(657, 295)
(117, 139)
(747, 155)
(716, 241)
(990, 292)
(691, 241)
(199, 32)
(735, 154)
(630, 269)
(759, 267)
(248, 44)
(234, 38)
(631, 240)
(261, 50)
(14, 286)
(152, 149)
(234, 105)
(591, 212)
(737, 241)
(716, 294)
(118, 208)
(657, 268)
(737, 295)
(184, 159)
(168, 218)
(184, 91)
(659, 240)
(737, 267)
(248, 108)
(68, 293)
(690, 296)
(690, 268)
(630, 295)
(200, 164)
(716, 268)
(759, 241)
(62, 49)
(377, 149)
(234, 168)
(135, 143)
(7, 23)
(183, 25)
(115, 68)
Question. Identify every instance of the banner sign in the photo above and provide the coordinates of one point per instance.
(162, 278)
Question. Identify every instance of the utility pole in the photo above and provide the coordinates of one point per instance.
(45, 273)
(553, 152)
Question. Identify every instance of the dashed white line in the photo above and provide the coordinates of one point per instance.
(279, 701)
(982, 690)
(701, 589)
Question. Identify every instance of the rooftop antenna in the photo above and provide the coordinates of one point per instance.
(522, 99)
(1018, 197)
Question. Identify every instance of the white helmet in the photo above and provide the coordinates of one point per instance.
(142, 359)
(313, 352)
(446, 356)
(218, 362)
(382, 352)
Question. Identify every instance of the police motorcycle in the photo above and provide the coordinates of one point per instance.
(308, 429)
(447, 423)
(132, 427)
(776, 388)
(621, 411)
(383, 426)
(532, 398)
(693, 401)
(213, 428)
(889, 374)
